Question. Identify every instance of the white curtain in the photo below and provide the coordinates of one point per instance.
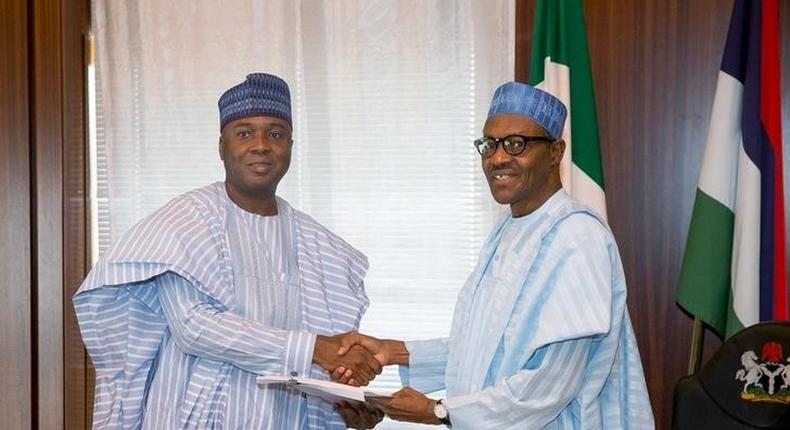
(387, 98)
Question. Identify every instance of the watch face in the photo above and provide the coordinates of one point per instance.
(440, 411)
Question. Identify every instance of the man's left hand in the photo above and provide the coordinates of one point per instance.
(359, 415)
(412, 406)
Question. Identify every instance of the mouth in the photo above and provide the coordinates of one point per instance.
(502, 177)
(260, 167)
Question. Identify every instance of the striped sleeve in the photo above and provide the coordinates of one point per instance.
(427, 364)
(199, 327)
(532, 397)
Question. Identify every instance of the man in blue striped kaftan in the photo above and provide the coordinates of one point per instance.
(541, 337)
(220, 285)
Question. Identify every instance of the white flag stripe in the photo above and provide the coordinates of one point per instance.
(557, 82)
(588, 191)
(730, 177)
(720, 162)
(746, 241)
(575, 181)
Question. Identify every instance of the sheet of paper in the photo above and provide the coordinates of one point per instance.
(330, 391)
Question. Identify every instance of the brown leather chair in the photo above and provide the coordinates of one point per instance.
(745, 385)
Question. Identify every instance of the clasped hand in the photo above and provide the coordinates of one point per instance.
(352, 365)
(353, 358)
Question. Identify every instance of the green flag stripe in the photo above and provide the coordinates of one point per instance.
(559, 33)
(705, 283)
(734, 325)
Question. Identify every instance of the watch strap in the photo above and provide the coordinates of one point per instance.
(446, 419)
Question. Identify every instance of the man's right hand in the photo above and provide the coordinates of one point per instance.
(358, 365)
(386, 351)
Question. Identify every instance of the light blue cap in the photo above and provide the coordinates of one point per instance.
(522, 99)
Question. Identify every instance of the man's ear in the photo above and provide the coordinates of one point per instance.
(556, 151)
(221, 148)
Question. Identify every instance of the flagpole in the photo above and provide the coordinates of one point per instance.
(696, 346)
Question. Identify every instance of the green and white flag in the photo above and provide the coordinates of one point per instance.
(734, 271)
(561, 66)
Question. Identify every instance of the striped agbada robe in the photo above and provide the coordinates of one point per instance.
(541, 337)
(200, 297)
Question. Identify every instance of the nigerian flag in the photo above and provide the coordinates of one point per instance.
(734, 271)
(561, 66)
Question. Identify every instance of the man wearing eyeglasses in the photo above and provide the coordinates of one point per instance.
(541, 337)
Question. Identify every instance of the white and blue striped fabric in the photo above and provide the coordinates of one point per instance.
(197, 299)
(541, 337)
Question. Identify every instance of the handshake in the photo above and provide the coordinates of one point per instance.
(355, 359)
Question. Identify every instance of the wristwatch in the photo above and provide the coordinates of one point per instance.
(441, 412)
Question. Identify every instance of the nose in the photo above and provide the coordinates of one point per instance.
(260, 143)
(499, 157)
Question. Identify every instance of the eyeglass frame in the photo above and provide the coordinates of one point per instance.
(497, 141)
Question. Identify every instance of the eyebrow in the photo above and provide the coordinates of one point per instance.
(264, 126)
(520, 135)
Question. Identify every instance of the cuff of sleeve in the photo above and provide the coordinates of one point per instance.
(403, 371)
(467, 411)
(456, 412)
(299, 348)
(427, 363)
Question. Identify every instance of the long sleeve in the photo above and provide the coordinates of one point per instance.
(427, 364)
(532, 397)
(199, 327)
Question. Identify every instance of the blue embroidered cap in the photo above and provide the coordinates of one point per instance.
(260, 94)
(535, 104)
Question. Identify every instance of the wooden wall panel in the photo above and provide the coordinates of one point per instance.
(46, 163)
(78, 378)
(15, 293)
(42, 216)
(59, 140)
(525, 12)
(654, 65)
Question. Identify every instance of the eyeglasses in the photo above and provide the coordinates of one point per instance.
(513, 144)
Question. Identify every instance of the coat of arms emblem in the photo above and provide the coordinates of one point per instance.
(766, 378)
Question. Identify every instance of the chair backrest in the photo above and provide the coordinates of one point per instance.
(745, 385)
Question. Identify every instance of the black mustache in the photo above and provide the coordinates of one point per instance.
(506, 165)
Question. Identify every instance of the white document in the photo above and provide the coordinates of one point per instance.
(330, 391)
